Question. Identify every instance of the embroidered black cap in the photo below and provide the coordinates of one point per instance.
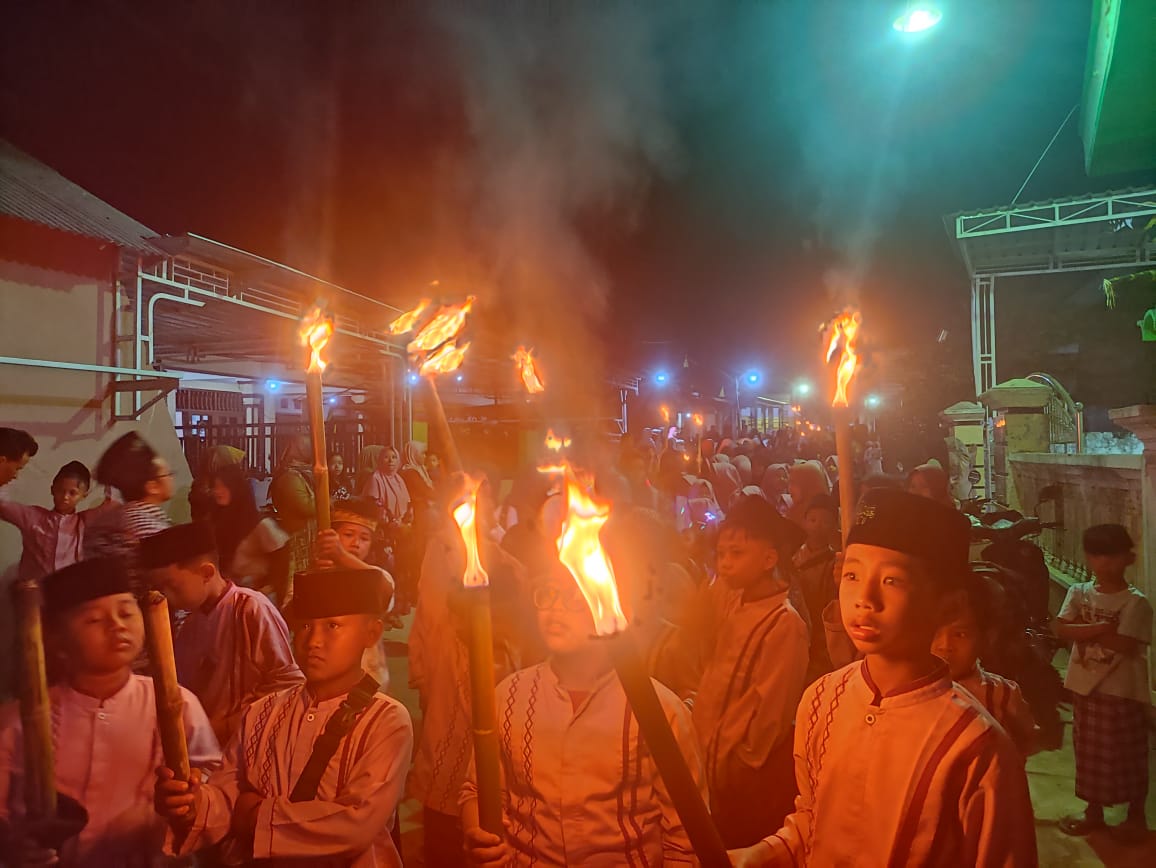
(181, 542)
(84, 581)
(915, 526)
(330, 593)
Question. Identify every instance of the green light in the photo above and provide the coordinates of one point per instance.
(917, 18)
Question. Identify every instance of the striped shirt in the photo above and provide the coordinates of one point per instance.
(922, 776)
(580, 786)
(1005, 702)
(348, 823)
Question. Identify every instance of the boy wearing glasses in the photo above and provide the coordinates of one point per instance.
(145, 481)
(580, 786)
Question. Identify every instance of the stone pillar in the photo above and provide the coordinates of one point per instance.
(1020, 426)
(1140, 419)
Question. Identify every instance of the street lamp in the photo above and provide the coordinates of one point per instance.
(873, 401)
(803, 388)
(918, 17)
(661, 378)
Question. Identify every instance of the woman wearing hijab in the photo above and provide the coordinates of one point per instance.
(252, 550)
(414, 473)
(805, 482)
(388, 490)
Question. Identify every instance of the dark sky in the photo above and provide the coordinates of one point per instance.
(676, 177)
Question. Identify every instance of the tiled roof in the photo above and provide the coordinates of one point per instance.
(31, 191)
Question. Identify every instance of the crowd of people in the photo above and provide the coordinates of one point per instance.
(835, 699)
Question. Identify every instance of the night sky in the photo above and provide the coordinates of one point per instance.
(675, 178)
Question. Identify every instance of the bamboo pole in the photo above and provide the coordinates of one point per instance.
(316, 409)
(684, 792)
(441, 424)
(35, 707)
(170, 704)
(484, 712)
(846, 459)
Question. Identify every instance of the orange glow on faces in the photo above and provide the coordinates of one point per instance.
(448, 358)
(466, 515)
(315, 331)
(406, 322)
(444, 327)
(528, 371)
(842, 336)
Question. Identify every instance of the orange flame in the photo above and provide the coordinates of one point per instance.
(444, 327)
(528, 371)
(408, 320)
(665, 411)
(448, 358)
(580, 551)
(555, 443)
(315, 331)
(843, 334)
(698, 419)
(466, 516)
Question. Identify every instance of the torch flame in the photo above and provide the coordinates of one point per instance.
(448, 358)
(444, 327)
(843, 333)
(408, 320)
(528, 371)
(555, 443)
(466, 515)
(581, 552)
(315, 332)
(698, 420)
(665, 410)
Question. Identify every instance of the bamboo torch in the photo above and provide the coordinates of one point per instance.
(170, 704)
(315, 333)
(483, 706)
(35, 707)
(581, 552)
(842, 337)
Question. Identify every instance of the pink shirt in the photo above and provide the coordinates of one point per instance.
(232, 653)
(107, 753)
(52, 541)
(348, 824)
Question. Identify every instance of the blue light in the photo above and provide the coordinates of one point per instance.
(333, 400)
(662, 378)
(460, 377)
(873, 401)
(272, 385)
(411, 378)
(753, 377)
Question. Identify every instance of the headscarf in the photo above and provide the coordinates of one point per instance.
(806, 480)
(411, 459)
(742, 464)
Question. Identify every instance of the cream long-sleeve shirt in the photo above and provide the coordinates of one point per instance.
(233, 652)
(348, 823)
(107, 754)
(920, 777)
(580, 787)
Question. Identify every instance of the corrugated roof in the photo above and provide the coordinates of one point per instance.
(30, 190)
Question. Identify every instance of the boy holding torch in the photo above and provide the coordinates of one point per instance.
(105, 725)
(316, 771)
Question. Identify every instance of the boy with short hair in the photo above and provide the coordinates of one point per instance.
(745, 705)
(814, 565)
(53, 538)
(316, 771)
(104, 723)
(1110, 623)
(17, 448)
(580, 785)
(895, 763)
(969, 627)
(145, 482)
(233, 645)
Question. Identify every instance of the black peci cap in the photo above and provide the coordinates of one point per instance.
(915, 526)
(181, 542)
(330, 593)
(1108, 539)
(84, 581)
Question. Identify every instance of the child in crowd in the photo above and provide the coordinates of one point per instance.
(347, 545)
(53, 538)
(580, 784)
(232, 646)
(145, 482)
(814, 566)
(316, 771)
(104, 725)
(1110, 623)
(252, 549)
(17, 448)
(895, 764)
(745, 704)
(970, 623)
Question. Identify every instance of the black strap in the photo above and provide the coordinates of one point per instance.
(336, 728)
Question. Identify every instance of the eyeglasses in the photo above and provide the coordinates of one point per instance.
(553, 597)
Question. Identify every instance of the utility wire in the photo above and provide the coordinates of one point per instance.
(1059, 130)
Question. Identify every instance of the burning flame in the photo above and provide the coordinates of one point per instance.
(581, 552)
(448, 358)
(843, 334)
(698, 419)
(528, 371)
(315, 332)
(555, 443)
(466, 515)
(444, 327)
(408, 320)
(665, 411)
